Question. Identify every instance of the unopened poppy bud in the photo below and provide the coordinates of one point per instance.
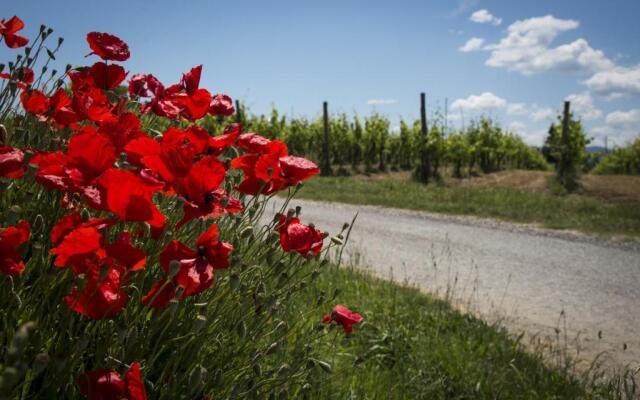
(345, 226)
(337, 240)
(282, 280)
(325, 234)
(104, 270)
(273, 348)
(276, 218)
(199, 323)
(325, 366)
(315, 273)
(306, 390)
(49, 31)
(60, 40)
(290, 213)
(40, 363)
(246, 232)
(234, 280)
(44, 69)
(298, 210)
(3, 132)
(1, 67)
(42, 28)
(311, 364)
(174, 268)
(283, 370)
(336, 292)
(281, 327)
(67, 68)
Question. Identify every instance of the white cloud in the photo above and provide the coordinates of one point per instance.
(616, 82)
(583, 107)
(527, 48)
(472, 44)
(517, 108)
(381, 101)
(624, 118)
(543, 113)
(485, 17)
(516, 126)
(485, 101)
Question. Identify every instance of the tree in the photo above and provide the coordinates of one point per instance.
(566, 144)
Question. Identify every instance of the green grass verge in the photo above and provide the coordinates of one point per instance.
(412, 346)
(557, 212)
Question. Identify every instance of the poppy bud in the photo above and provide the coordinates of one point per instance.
(336, 292)
(283, 370)
(40, 363)
(306, 390)
(337, 240)
(42, 28)
(60, 40)
(246, 231)
(1, 67)
(273, 348)
(276, 218)
(44, 69)
(174, 268)
(314, 274)
(345, 226)
(290, 213)
(325, 366)
(234, 280)
(298, 210)
(3, 131)
(199, 323)
(49, 31)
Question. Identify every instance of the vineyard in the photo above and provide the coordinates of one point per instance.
(367, 145)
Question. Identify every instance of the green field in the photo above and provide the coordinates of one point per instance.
(412, 346)
(576, 212)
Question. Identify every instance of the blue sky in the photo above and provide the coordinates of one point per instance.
(515, 61)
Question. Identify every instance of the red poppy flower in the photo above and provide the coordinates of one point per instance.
(8, 31)
(11, 162)
(34, 101)
(191, 80)
(107, 46)
(90, 153)
(298, 237)
(103, 294)
(253, 142)
(218, 144)
(344, 317)
(123, 130)
(124, 254)
(215, 204)
(24, 76)
(107, 77)
(221, 105)
(78, 247)
(297, 169)
(128, 196)
(107, 384)
(92, 104)
(61, 105)
(196, 273)
(10, 238)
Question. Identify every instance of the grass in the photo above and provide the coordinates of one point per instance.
(412, 346)
(587, 214)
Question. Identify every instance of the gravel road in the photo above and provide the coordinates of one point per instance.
(531, 280)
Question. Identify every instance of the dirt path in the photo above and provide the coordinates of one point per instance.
(532, 280)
